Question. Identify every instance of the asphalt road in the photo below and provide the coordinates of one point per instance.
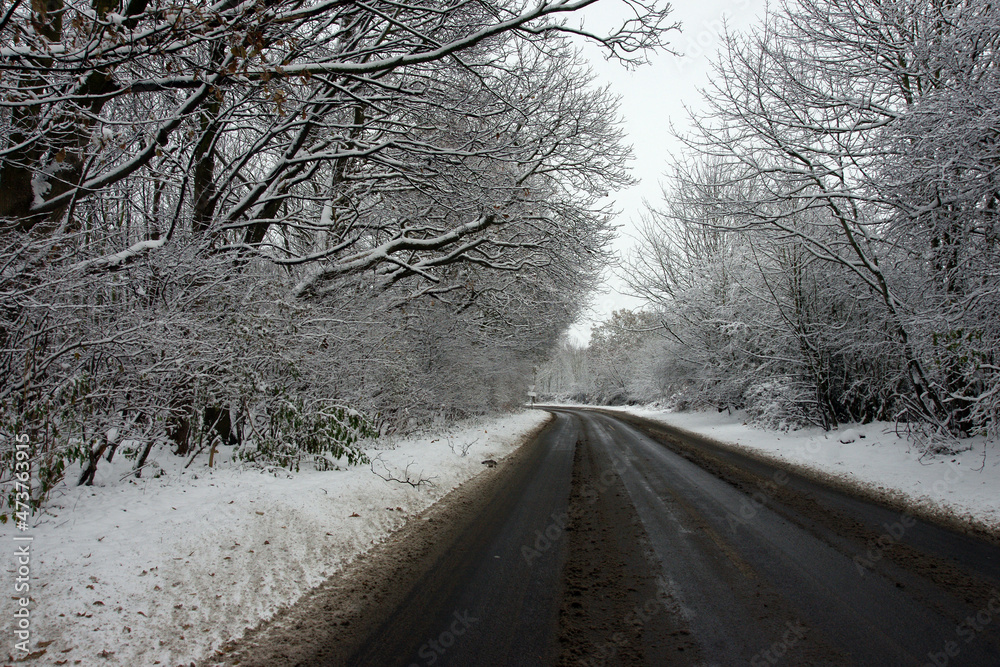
(768, 566)
(609, 540)
(492, 597)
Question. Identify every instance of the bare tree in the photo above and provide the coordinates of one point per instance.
(828, 126)
(221, 222)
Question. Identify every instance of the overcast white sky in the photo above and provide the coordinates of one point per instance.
(653, 99)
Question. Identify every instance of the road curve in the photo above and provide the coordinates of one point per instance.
(611, 540)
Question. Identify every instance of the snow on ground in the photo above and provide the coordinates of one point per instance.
(874, 455)
(160, 571)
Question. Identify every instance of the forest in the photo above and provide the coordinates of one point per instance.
(285, 226)
(288, 226)
(827, 247)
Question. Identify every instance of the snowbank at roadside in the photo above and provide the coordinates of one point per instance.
(160, 571)
(872, 455)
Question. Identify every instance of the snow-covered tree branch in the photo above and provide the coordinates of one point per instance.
(218, 218)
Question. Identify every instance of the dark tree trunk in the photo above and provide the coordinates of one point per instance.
(87, 478)
(219, 420)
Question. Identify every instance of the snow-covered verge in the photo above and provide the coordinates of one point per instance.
(163, 570)
(874, 456)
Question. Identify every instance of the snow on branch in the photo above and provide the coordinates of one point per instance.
(119, 259)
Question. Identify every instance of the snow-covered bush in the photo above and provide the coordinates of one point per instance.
(780, 404)
(294, 431)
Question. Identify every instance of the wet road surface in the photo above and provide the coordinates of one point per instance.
(610, 540)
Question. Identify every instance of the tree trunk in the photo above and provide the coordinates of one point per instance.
(87, 478)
